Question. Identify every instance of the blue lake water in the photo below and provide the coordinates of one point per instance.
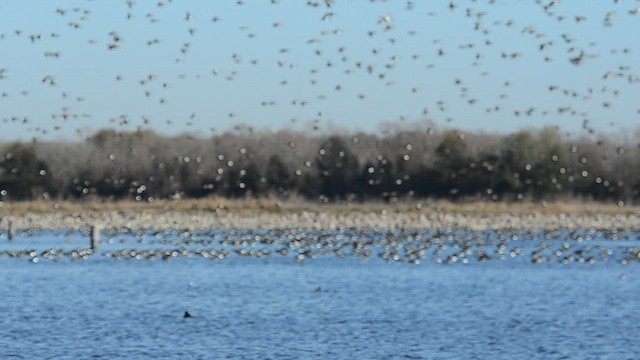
(336, 302)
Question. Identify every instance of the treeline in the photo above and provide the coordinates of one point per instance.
(415, 163)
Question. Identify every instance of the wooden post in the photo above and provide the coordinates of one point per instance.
(95, 238)
(12, 231)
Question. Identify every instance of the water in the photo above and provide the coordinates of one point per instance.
(328, 307)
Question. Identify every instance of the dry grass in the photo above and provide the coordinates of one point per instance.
(246, 206)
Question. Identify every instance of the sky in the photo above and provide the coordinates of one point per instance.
(69, 68)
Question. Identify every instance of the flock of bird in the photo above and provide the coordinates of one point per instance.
(589, 246)
(316, 62)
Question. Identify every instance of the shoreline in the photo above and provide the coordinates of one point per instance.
(257, 214)
(268, 205)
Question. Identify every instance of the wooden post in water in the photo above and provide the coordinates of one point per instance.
(11, 231)
(95, 238)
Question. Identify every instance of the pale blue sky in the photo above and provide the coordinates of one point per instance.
(207, 88)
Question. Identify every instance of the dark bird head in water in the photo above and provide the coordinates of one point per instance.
(186, 314)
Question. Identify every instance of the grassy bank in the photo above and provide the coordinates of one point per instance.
(254, 206)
